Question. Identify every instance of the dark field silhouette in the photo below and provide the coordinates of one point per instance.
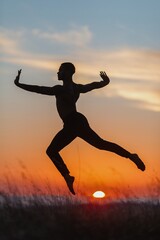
(130, 220)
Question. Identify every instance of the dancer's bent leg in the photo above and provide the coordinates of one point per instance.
(62, 139)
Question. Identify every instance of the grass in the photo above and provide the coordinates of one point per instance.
(44, 217)
(57, 219)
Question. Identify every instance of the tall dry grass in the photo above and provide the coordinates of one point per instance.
(48, 216)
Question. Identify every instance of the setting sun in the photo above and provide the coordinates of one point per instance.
(99, 194)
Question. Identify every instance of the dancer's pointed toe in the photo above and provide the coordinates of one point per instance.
(70, 180)
(135, 158)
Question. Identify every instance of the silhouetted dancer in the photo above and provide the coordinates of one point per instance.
(75, 124)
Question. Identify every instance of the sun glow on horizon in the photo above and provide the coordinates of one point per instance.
(98, 194)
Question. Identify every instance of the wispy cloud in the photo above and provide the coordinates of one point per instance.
(126, 63)
(13, 51)
(33, 62)
(8, 45)
(76, 37)
(144, 96)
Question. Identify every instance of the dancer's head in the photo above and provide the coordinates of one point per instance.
(66, 70)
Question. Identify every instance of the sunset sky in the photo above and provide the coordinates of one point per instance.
(121, 37)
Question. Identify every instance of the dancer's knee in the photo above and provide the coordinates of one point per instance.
(50, 152)
(101, 144)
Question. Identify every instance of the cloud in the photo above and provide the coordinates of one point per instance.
(144, 98)
(34, 63)
(134, 64)
(135, 74)
(76, 37)
(12, 51)
(8, 45)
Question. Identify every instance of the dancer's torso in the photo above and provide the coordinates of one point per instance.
(66, 99)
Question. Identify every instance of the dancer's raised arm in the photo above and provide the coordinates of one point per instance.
(35, 88)
(94, 85)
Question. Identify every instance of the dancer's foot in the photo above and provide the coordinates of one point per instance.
(134, 157)
(69, 180)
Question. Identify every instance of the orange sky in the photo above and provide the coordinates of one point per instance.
(29, 133)
(109, 38)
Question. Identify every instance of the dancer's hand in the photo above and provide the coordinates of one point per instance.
(16, 81)
(104, 76)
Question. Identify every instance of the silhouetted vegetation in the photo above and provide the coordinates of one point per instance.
(58, 219)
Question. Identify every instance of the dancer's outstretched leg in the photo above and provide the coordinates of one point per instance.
(92, 138)
(62, 139)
